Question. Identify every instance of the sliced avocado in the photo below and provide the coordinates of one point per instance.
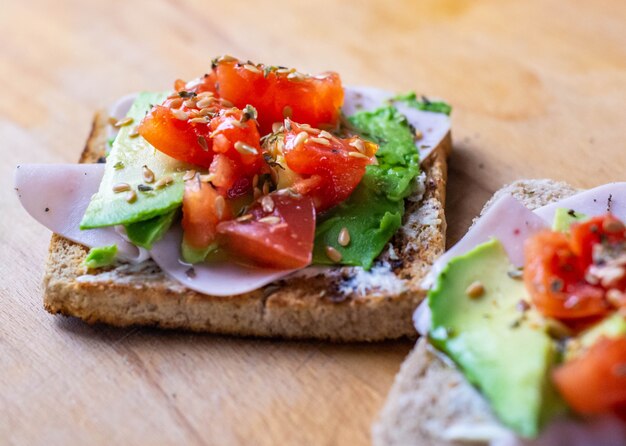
(124, 165)
(424, 104)
(195, 255)
(507, 358)
(613, 326)
(146, 233)
(563, 219)
(101, 256)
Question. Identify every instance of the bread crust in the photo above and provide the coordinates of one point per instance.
(430, 397)
(321, 307)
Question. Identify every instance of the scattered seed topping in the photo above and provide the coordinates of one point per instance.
(204, 94)
(112, 120)
(287, 113)
(227, 58)
(322, 141)
(516, 274)
(296, 76)
(148, 175)
(131, 196)
(249, 112)
(121, 187)
(556, 285)
(358, 144)
(205, 102)
(144, 188)
(134, 133)
(300, 138)
(189, 175)
(123, 122)
(357, 155)
(344, 237)
(208, 111)
(202, 143)
(333, 254)
(220, 206)
(226, 103)
(163, 182)
(190, 103)
(418, 134)
(198, 120)
(245, 217)
(206, 178)
(270, 220)
(475, 290)
(267, 203)
(118, 166)
(179, 114)
(176, 103)
(245, 149)
(277, 127)
(325, 134)
(252, 68)
(613, 226)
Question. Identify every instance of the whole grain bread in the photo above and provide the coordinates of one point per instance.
(340, 304)
(430, 401)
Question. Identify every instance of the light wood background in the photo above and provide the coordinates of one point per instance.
(538, 88)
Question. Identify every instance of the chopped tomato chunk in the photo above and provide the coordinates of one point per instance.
(276, 232)
(595, 382)
(330, 167)
(203, 209)
(275, 92)
(555, 277)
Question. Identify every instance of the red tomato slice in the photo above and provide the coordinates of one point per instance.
(203, 209)
(595, 382)
(277, 232)
(276, 92)
(332, 167)
(193, 129)
(554, 276)
(605, 229)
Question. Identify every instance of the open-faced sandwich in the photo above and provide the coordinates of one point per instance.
(254, 200)
(524, 328)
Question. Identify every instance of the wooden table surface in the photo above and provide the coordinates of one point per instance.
(538, 89)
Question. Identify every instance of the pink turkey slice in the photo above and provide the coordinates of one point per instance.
(56, 195)
(215, 279)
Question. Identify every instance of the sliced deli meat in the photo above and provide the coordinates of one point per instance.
(56, 195)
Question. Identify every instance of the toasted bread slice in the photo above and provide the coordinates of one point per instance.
(430, 403)
(340, 304)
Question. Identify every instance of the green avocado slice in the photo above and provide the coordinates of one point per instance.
(497, 347)
(146, 233)
(124, 165)
(373, 213)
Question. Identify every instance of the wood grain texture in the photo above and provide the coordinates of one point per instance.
(538, 87)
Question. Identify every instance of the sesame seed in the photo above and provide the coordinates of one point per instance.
(176, 103)
(267, 203)
(476, 289)
(516, 274)
(189, 175)
(322, 141)
(245, 149)
(199, 121)
(220, 206)
(245, 217)
(226, 103)
(613, 226)
(205, 102)
(165, 181)
(344, 237)
(277, 127)
(134, 133)
(358, 144)
(123, 122)
(207, 111)
(357, 155)
(112, 120)
(179, 114)
(144, 188)
(148, 175)
(252, 68)
(418, 134)
(296, 76)
(131, 196)
(121, 187)
(333, 254)
(270, 220)
(189, 103)
(204, 94)
(202, 143)
(287, 112)
(325, 134)
(300, 138)
(207, 178)
(228, 58)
